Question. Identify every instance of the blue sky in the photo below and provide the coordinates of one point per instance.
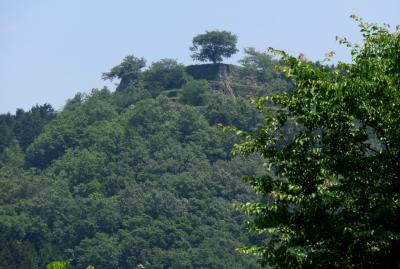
(50, 50)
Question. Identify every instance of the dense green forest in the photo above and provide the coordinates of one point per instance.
(139, 177)
(144, 176)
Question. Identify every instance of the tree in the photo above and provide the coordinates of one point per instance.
(63, 265)
(24, 126)
(258, 65)
(165, 74)
(195, 93)
(129, 70)
(331, 196)
(213, 46)
(58, 265)
(28, 125)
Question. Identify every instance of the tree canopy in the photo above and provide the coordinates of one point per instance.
(129, 70)
(214, 46)
(140, 177)
(331, 192)
(165, 74)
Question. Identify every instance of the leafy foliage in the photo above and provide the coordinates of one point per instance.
(258, 64)
(195, 93)
(129, 179)
(330, 197)
(24, 126)
(165, 74)
(63, 265)
(129, 70)
(58, 265)
(136, 178)
(213, 46)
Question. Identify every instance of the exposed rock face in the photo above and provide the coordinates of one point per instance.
(208, 71)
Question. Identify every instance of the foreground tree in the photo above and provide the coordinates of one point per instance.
(214, 46)
(331, 198)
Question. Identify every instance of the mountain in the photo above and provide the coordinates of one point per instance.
(141, 177)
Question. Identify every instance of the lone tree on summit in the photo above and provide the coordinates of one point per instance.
(213, 46)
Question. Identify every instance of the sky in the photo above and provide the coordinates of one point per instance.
(52, 49)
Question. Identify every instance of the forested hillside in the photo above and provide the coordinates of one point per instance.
(139, 177)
